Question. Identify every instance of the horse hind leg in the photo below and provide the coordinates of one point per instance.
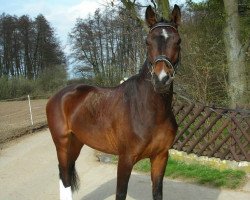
(68, 150)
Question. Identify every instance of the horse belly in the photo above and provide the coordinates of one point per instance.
(91, 121)
(97, 137)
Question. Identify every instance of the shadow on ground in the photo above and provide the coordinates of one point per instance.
(140, 189)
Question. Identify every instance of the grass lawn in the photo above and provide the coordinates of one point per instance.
(198, 173)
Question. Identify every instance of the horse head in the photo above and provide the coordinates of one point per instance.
(163, 48)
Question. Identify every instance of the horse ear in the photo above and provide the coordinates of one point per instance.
(150, 16)
(176, 15)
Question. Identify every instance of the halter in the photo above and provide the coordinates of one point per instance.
(163, 57)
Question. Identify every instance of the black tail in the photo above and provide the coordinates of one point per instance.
(75, 182)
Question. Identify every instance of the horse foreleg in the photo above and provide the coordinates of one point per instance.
(124, 169)
(158, 165)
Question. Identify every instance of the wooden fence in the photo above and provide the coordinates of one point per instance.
(211, 131)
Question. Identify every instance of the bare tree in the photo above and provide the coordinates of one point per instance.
(109, 43)
(27, 47)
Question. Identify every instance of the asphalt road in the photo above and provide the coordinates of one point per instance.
(28, 170)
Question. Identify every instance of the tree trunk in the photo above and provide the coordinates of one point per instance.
(237, 83)
(163, 7)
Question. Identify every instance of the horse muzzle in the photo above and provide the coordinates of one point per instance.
(161, 86)
(163, 80)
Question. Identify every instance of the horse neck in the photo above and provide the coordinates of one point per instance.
(145, 72)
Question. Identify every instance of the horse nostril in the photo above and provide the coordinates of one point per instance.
(165, 79)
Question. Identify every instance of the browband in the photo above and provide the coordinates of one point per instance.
(163, 24)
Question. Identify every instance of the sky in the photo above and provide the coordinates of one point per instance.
(61, 14)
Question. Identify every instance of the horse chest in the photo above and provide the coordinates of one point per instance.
(161, 139)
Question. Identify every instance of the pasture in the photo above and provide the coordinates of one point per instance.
(15, 118)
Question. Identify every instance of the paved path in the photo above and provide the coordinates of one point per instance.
(28, 170)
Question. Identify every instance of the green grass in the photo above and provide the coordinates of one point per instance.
(199, 174)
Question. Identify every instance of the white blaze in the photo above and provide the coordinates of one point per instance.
(164, 34)
(162, 75)
(65, 193)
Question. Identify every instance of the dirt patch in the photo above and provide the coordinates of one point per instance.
(15, 118)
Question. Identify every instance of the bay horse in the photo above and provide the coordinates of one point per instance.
(133, 120)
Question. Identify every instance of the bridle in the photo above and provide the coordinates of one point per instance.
(163, 57)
